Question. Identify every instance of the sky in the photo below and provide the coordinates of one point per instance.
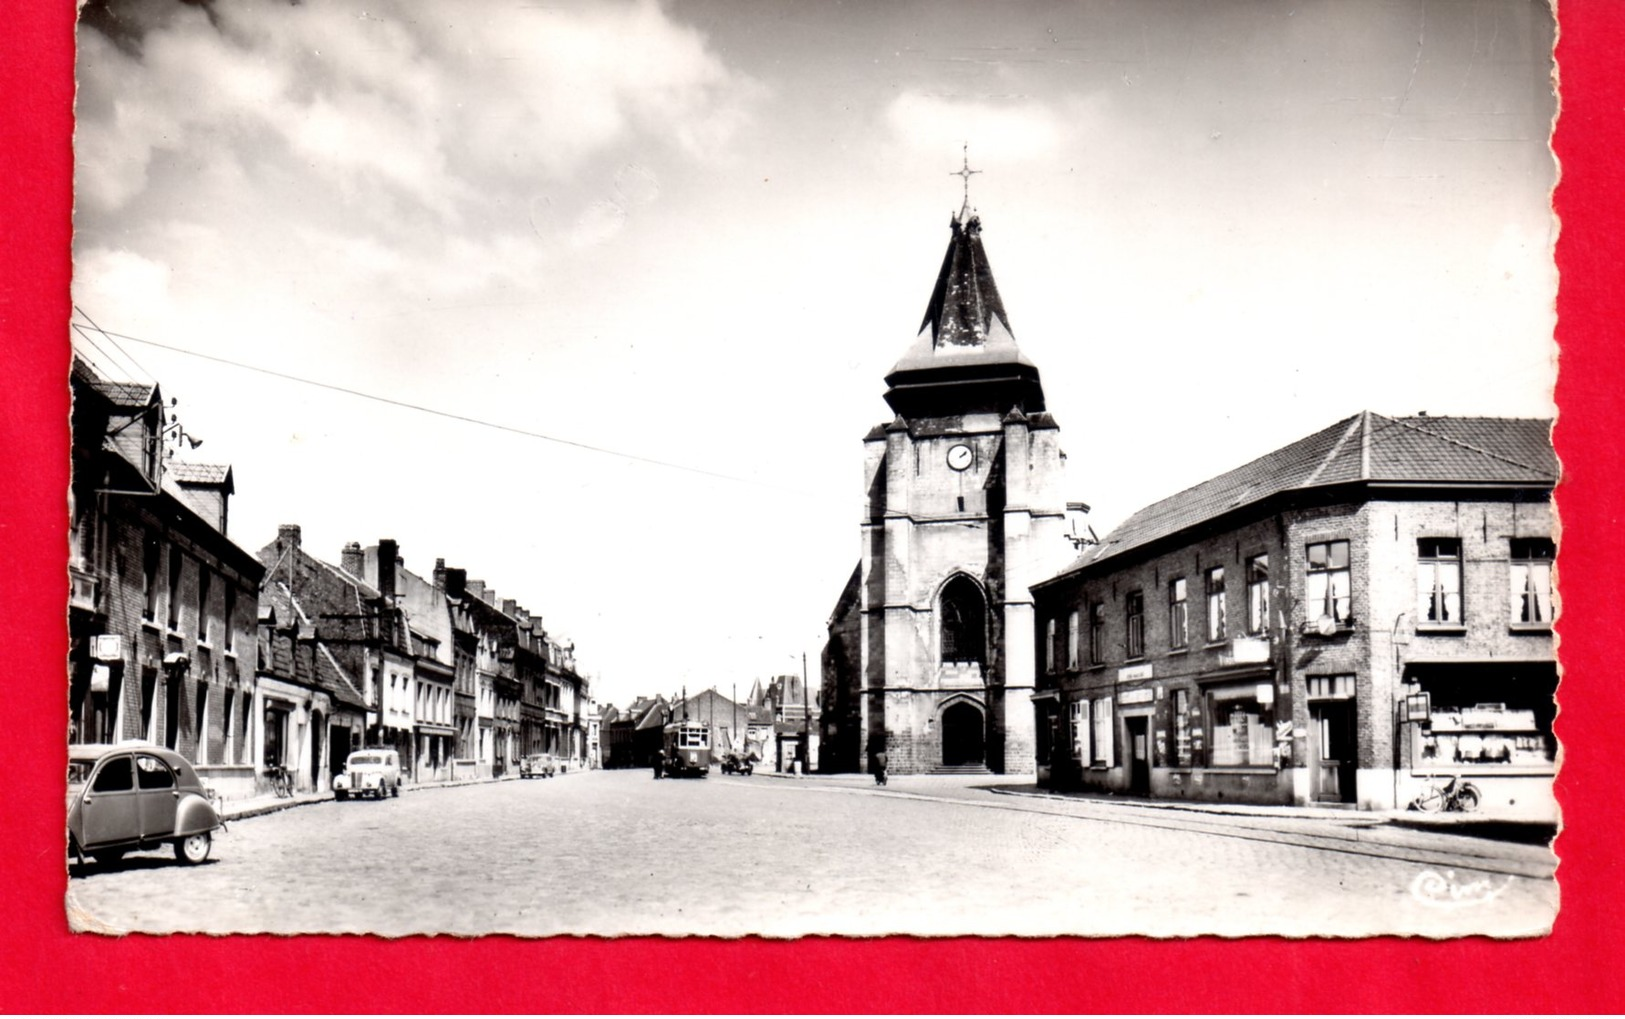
(671, 250)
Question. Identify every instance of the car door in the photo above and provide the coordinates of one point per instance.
(109, 812)
(159, 795)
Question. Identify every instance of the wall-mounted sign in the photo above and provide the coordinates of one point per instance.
(1266, 693)
(107, 647)
(1249, 649)
(1140, 696)
(1134, 673)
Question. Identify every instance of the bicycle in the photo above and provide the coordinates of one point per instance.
(281, 781)
(1454, 795)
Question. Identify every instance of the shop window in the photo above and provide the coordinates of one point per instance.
(1097, 633)
(1243, 726)
(1215, 604)
(1484, 734)
(1258, 594)
(1134, 605)
(1532, 582)
(1327, 591)
(1072, 622)
(1438, 581)
(1182, 729)
(1103, 728)
(1178, 613)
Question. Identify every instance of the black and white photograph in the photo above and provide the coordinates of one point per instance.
(718, 468)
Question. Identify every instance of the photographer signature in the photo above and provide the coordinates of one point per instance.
(1444, 891)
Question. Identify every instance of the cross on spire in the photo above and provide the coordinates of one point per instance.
(964, 173)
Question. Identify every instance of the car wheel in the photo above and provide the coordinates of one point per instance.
(108, 857)
(193, 849)
(396, 791)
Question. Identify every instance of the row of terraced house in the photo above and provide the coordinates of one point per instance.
(246, 662)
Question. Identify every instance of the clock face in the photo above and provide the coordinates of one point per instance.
(960, 457)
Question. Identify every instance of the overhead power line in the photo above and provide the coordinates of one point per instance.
(452, 415)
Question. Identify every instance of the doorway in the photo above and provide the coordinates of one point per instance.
(1139, 761)
(963, 738)
(1332, 751)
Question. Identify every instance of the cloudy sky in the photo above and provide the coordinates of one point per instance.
(684, 242)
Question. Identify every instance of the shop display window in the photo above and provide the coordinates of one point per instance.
(1243, 727)
(1484, 734)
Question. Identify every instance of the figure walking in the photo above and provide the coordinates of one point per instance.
(660, 762)
(880, 768)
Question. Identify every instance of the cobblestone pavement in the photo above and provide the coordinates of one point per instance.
(618, 853)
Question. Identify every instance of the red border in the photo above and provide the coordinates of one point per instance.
(43, 968)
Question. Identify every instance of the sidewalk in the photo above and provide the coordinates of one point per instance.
(1486, 826)
(269, 803)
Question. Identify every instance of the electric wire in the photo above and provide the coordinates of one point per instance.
(140, 369)
(451, 415)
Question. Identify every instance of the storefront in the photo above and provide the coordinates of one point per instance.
(1490, 723)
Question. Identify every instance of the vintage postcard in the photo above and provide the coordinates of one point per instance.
(934, 469)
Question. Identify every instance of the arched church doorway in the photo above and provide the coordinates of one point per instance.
(964, 736)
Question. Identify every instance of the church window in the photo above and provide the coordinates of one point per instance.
(963, 622)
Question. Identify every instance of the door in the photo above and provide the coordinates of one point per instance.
(963, 740)
(155, 787)
(109, 812)
(1331, 751)
(1139, 761)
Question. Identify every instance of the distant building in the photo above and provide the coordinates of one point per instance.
(1343, 620)
(161, 610)
(930, 648)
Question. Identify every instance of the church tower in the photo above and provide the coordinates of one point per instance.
(933, 644)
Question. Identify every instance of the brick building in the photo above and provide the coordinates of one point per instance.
(161, 606)
(930, 650)
(1342, 620)
(363, 634)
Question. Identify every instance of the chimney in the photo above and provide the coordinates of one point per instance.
(510, 607)
(287, 536)
(440, 575)
(456, 583)
(350, 559)
(388, 558)
(477, 589)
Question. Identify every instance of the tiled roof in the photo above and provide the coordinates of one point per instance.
(1366, 447)
(306, 662)
(120, 394)
(186, 473)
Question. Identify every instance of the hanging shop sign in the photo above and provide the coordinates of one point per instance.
(107, 647)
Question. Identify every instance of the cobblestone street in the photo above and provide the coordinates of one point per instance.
(618, 853)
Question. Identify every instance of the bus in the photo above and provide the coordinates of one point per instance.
(687, 746)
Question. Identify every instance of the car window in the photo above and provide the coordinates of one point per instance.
(115, 776)
(365, 759)
(79, 772)
(152, 773)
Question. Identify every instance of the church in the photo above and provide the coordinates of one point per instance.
(930, 656)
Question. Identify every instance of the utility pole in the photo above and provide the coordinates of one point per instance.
(806, 719)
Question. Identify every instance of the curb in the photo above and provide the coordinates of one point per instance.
(305, 799)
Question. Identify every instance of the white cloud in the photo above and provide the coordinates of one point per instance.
(1015, 128)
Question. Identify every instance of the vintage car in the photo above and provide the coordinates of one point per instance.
(538, 766)
(375, 771)
(133, 796)
(736, 764)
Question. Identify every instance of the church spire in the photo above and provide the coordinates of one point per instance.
(964, 358)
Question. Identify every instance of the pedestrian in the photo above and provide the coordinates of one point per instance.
(880, 768)
(660, 762)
